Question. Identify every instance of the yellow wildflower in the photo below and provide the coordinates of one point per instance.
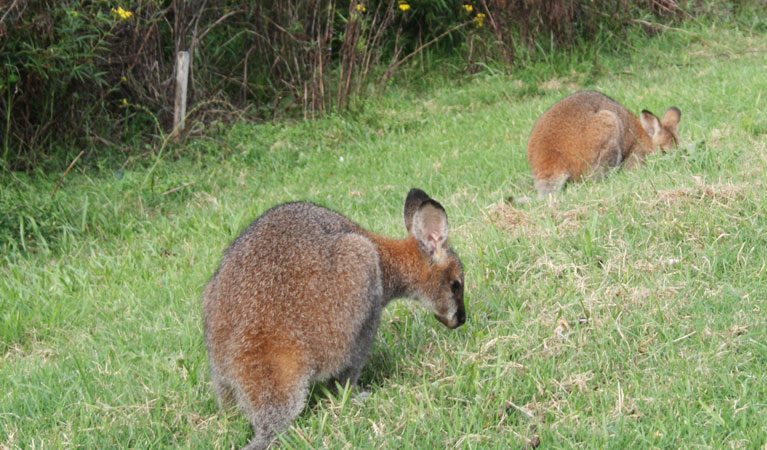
(468, 8)
(360, 7)
(123, 79)
(479, 20)
(125, 102)
(403, 6)
(121, 13)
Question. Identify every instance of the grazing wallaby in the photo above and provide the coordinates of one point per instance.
(587, 133)
(298, 298)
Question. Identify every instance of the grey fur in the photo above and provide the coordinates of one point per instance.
(298, 298)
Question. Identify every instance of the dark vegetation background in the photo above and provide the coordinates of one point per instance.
(97, 75)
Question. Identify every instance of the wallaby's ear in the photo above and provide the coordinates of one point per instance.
(650, 122)
(430, 228)
(671, 119)
(413, 201)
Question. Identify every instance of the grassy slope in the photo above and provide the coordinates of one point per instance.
(628, 312)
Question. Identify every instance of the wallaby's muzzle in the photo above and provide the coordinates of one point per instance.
(458, 319)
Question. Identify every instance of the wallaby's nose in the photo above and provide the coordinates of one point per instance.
(460, 317)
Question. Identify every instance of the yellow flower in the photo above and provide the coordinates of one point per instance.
(468, 8)
(125, 102)
(121, 13)
(123, 79)
(360, 7)
(479, 20)
(404, 6)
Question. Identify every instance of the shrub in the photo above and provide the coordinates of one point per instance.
(100, 73)
(69, 68)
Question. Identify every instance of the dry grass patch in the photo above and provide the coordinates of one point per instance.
(720, 194)
(10, 441)
(532, 223)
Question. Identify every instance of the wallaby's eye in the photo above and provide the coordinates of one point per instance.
(455, 286)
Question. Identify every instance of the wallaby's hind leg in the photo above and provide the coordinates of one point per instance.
(552, 185)
(271, 389)
(275, 417)
(221, 387)
(607, 144)
(367, 285)
(364, 341)
(609, 158)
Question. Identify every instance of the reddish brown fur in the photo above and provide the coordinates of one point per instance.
(402, 266)
(298, 297)
(586, 134)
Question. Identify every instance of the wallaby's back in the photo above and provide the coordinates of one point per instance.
(587, 133)
(289, 266)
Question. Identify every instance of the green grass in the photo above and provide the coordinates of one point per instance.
(624, 313)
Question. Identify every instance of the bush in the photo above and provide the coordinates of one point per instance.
(99, 74)
(70, 68)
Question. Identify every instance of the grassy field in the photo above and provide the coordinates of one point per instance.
(624, 313)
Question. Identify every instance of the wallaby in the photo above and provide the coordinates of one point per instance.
(587, 133)
(298, 298)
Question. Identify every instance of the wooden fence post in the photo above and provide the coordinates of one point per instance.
(182, 78)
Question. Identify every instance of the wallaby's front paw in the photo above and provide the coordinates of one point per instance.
(361, 397)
